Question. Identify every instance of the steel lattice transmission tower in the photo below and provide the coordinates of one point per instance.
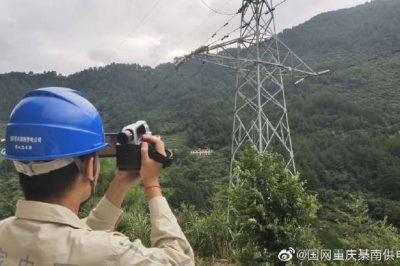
(261, 61)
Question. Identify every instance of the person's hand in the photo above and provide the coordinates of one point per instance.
(150, 170)
(128, 178)
(120, 185)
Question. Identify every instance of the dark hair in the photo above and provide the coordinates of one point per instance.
(53, 185)
(50, 186)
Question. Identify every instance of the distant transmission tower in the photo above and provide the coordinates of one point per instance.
(261, 60)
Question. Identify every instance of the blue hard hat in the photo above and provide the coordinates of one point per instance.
(53, 123)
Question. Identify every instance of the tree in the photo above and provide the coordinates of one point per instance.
(270, 208)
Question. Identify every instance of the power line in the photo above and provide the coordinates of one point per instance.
(198, 70)
(137, 26)
(141, 21)
(280, 3)
(147, 14)
(214, 10)
(223, 26)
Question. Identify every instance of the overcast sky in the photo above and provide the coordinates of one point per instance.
(70, 35)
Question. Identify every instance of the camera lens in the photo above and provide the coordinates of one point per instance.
(141, 131)
(123, 137)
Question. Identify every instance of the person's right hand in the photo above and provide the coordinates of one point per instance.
(150, 170)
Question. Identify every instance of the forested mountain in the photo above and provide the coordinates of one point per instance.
(345, 126)
(349, 35)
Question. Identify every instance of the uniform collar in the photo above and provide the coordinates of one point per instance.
(45, 212)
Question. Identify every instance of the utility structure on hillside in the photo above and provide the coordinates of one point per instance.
(261, 60)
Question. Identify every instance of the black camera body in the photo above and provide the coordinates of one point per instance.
(128, 148)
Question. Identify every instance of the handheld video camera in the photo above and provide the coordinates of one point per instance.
(126, 144)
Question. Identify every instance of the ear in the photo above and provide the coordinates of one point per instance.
(88, 167)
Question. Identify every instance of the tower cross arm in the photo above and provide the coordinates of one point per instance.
(234, 62)
(222, 54)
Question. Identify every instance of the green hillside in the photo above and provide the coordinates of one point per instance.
(349, 35)
(345, 126)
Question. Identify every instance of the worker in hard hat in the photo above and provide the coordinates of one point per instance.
(53, 138)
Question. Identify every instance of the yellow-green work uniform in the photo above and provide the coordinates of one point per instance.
(42, 234)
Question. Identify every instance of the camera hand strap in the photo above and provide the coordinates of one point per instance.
(158, 157)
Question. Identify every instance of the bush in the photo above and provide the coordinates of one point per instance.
(270, 208)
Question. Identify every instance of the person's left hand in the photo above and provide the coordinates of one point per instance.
(120, 185)
(128, 178)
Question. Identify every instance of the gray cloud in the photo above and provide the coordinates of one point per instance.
(70, 35)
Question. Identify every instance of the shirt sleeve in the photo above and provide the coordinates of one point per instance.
(105, 216)
(169, 244)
